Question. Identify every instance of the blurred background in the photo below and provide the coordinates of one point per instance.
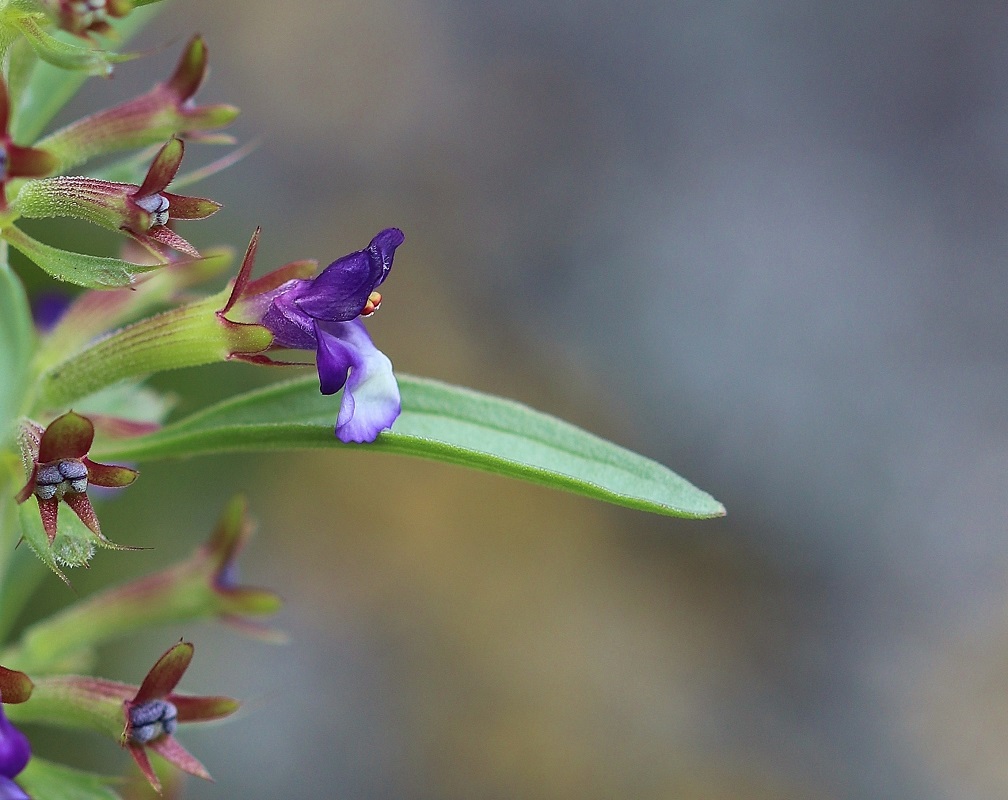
(763, 243)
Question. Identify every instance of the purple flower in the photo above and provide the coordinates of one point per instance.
(323, 314)
(11, 791)
(48, 308)
(14, 748)
(15, 751)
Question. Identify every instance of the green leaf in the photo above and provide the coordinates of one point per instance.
(17, 342)
(92, 272)
(128, 400)
(43, 778)
(63, 54)
(22, 576)
(441, 422)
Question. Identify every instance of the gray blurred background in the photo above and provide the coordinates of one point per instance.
(761, 242)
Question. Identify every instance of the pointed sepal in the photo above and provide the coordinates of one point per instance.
(15, 686)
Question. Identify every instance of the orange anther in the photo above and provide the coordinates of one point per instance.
(372, 304)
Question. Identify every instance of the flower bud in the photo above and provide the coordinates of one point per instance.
(141, 212)
(165, 111)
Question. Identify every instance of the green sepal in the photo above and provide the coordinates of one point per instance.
(187, 336)
(100, 311)
(440, 422)
(42, 778)
(76, 702)
(82, 269)
(98, 202)
(74, 545)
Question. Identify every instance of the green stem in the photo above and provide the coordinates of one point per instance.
(20, 571)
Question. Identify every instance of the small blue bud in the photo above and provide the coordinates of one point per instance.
(157, 206)
(49, 475)
(150, 720)
(43, 492)
(72, 469)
